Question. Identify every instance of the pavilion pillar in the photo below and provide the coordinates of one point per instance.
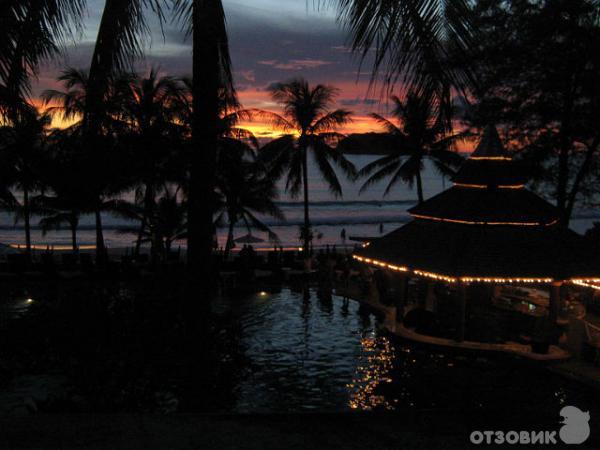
(402, 297)
(555, 301)
(462, 312)
(430, 296)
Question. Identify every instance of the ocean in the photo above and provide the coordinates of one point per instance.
(360, 214)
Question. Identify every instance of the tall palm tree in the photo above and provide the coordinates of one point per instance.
(420, 136)
(72, 105)
(205, 20)
(30, 32)
(245, 190)
(411, 39)
(66, 195)
(151, 111)
(312, 128)
(22, 146)
(59, 211)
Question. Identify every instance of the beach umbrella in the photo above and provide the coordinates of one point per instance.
(249, 239)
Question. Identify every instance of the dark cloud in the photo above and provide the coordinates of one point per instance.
(270, 41)
(359, 101)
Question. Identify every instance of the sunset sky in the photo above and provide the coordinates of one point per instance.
(270, 41)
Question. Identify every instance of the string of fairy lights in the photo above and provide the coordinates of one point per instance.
(471, 222)
(593, 283)
(485, 186)
(490, 158)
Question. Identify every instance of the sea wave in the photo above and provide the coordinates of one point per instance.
(344, 203)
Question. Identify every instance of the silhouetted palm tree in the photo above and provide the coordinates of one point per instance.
(66, 195)
(306, 113)
(205, 20)
(151, 109)
(30, 32)
(245, 191)
(21, 151)
(72, 106)
(420, 136)
(169, 223)
(58, 211)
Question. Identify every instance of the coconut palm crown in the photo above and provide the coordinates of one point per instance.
(421, 135)
(310, 126)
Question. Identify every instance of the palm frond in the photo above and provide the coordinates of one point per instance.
(387, 124)
(30, 32)
(331, 121)
(274, 120)
(329, 175)
(384, 171)
(275, 156)
(409, 38)
(378, 163)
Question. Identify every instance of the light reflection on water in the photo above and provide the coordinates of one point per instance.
(374, 366)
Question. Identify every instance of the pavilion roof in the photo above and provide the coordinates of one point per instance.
(492, 206)
(480, 251)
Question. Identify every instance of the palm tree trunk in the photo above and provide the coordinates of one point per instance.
(306, 248)
(103, 60)
(138, 242)
(148, 206)
(581, 174)
(26, 214)
(205, 117)
(109, 43)
(229, 243)
(100, 249)
(74, 234)
(419, 187)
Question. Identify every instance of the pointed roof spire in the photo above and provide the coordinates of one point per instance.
(490, 165)
(490, 145)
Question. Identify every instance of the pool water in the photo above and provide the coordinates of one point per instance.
(310, 352)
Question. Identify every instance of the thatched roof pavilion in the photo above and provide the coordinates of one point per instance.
(486, 228)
